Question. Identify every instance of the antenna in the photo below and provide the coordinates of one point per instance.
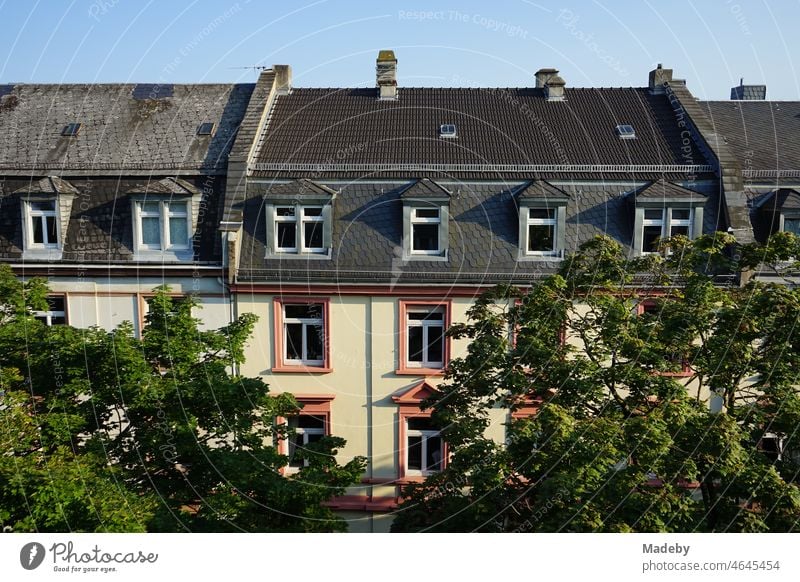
(255, 68)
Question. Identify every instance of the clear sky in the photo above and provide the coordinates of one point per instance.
(710, 43)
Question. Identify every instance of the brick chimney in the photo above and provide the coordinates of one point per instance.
(386, 75)
(542, 76)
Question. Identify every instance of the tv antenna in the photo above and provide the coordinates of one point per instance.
(255, 68)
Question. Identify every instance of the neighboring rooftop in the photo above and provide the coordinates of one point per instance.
(136, 128)
(321, 129)
(763, 135)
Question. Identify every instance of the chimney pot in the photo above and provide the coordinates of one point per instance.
(554, 88)
(542, 76)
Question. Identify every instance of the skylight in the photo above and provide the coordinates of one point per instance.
(626, 132)
(447, 130)
(205, 128)
(71, 129)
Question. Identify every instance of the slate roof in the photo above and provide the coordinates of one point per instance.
(124, 128)
(425, 189)
(483, 247)
(329, 127)
(541, 190)
(48, 185)
(763, 135)
(100, 229)
(663, 190)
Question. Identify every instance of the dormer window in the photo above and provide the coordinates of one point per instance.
(542, 220)
(299, 221)
(162, 225)
(164, 217)
(425, 221)
(665, 210)
(46, 206)
(42, 219)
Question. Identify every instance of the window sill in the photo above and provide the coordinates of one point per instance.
(42, 254)
(422, 257)
(419, 371)
(164, 256)
(284, 369)
(294, 255)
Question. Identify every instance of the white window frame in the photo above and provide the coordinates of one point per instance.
(166, 209)
(42, 215)
(307, 323)
(425, 325)
(300, 220)
(541, 222)
(305, 433)
(667, 222)
(425, 435)
(423, 220)
(48, 315)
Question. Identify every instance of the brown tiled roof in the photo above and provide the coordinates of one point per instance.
(764, 135)
(331, 127)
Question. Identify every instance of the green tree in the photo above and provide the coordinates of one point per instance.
(623, 440)
(103, 431)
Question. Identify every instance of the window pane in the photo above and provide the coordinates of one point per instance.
(58, 320)
(314, 341)
(543, 213)
(150, 207)
(420, 423)
(650, 236)
(310, 311)
(44, 205)
(680, 214)
(414, 344)
(679, 230)
(178, 231)
(286, 235)
(415, 453)
(294, 341)
(540, 237)
(38, 231)
(295, 444)
(426, 237)
(55, 303)
(312, 232)
(285, 211)
(309, 421)
(435, 343)
(312, 211)
(434, 453)
(653, 214)
(792, 225)
(151, 231)
(426, 315)
(52, 237)
(426, 212)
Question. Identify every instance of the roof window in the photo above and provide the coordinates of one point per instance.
(626, 132)
(71, 129)
(447, 130)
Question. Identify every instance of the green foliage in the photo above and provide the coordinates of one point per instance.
(624, 439)
(103, 431)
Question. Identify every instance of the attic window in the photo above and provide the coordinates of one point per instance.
(447, 130)
(205, 128)
(71, 129)
(626, 132)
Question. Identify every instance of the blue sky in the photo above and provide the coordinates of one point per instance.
(711, 43)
